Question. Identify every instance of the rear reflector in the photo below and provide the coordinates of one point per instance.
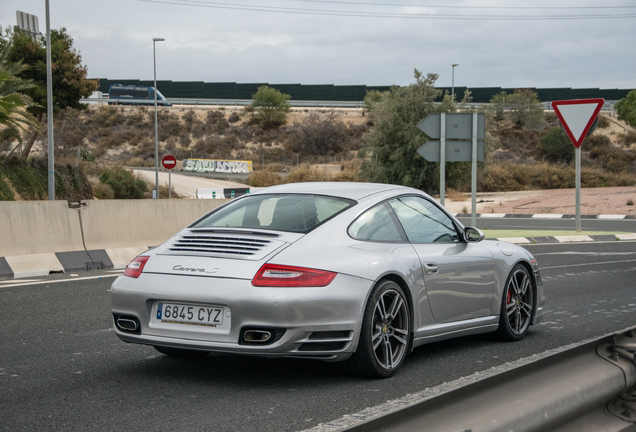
(273, 275)
(136, 266)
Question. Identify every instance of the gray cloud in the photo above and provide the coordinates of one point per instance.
(205, 44)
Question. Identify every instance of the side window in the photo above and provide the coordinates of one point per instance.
(376, 224)
(423, 221)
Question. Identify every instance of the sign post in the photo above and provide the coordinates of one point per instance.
(169, 162)
(577, 117)
(454, 138)
(442, 158)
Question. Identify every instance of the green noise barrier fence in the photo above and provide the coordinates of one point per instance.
(330, 92)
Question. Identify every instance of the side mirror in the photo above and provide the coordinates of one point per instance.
(473, 235)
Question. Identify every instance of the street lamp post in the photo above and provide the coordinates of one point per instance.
(49, 107)
(453, 85)
(154, 61)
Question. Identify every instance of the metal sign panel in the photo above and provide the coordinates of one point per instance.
(169, 162)
(458, 126)
(577, 116)
(456, 151)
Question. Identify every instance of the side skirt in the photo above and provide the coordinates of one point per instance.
(438, 332)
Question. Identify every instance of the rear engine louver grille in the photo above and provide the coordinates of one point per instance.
(216, 244)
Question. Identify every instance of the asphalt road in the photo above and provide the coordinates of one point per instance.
(610, 225)
(62, 368)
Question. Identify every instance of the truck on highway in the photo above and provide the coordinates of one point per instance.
(119, 94)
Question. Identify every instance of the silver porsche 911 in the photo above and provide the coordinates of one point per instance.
(354, 272)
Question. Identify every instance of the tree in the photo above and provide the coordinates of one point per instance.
(626, 108)
(13, 102)
(271, 107)
(394, 139)
(522, 107)
(69, 75)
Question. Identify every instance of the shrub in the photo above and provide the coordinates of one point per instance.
(318, 135)
(124, 184)
(103, 191)
(5, 192)
(234, 117)
(557, 144)
(264, 178)
(603, 122)
(628, 138)
(522, 107)
(107, 116)
(184, 138)
(271, 107)
(304, 173)
(507, 176)
(215, 122)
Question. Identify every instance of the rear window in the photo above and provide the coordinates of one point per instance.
(294, 213)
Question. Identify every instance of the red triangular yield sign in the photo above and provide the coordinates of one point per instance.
(577, 116)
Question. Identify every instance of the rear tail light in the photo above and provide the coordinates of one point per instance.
(273, 275)
(136, 266)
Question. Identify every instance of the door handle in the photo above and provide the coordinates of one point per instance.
(431, 268)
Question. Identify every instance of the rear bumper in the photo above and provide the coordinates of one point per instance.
(301, 312)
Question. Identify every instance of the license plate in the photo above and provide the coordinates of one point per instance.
(209, 316)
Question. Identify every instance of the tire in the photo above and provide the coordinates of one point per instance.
(385, 334)
(517, 305)
(180, 352)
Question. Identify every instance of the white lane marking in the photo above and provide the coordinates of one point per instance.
(586, 253)
(61, 280)
(587, 264)
(23, 280)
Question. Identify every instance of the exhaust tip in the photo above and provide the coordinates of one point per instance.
(257, 336)
(128, 324)
(260, 335)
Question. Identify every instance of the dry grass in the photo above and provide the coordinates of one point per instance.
(501, 177)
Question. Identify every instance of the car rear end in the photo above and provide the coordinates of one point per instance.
(212, 288)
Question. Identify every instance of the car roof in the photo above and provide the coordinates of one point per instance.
(350, 190)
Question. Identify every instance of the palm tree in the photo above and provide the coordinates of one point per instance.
(13, 103)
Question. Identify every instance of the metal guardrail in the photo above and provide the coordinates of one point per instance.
(608, 106)
(223, 102)
(592, 383)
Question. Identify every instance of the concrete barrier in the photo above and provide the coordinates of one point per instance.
(38, 237)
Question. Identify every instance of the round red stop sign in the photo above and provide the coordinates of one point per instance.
(169, 162)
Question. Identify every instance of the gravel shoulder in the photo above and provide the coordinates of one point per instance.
(594, 201)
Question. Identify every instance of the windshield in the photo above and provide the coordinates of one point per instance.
(280, 212)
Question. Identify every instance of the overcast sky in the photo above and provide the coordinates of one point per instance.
(213, 43)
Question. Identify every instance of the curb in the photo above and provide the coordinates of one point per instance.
(568, 239)
(543, 216)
